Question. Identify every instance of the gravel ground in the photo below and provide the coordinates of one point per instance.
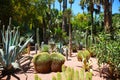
(72, 62)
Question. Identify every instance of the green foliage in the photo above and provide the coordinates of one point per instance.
(36, 77)
(59, 35)
(57, 57)
(108, 51)
(45, 48)
(92, 51)
(81, 21)
(12, 48)
(42, 58)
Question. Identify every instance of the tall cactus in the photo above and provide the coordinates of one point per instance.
(37, 37)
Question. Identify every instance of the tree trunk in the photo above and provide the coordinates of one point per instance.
(64, 23)
(60, 6)
(108, 16)
(70, 40)
(92, 19)
(44, 31)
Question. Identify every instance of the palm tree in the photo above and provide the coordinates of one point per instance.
(108, 15)
(90, 6)
(71, 2)
(107, 6)
(49, 2)
(60, 1)
(64, 23)
(70, 27)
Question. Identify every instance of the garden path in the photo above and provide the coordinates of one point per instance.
(72, 62)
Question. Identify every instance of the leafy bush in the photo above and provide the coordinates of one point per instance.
(108, 51)
(92, 51)
(45, 48)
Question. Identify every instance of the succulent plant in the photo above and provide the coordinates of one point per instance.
(82, 74)
(57, 61)
(54, 78)
(88, 76)
(12, 47)
(42, 62)
(83, 54)
(59, 77)
(36, 77)
(57, 57)
(72, 74)
(41, 58)
(63, 68)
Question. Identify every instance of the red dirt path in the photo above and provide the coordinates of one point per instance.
(72, 62)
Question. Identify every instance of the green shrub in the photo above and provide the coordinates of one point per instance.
(45, 48)
(92, 51)
(41, 58)
(108, 52)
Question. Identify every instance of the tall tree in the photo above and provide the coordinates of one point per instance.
(49, 2)
(70, 27)
(64, 23)
(6, 11)
(60, 1)
(107, 6)
(71, 2)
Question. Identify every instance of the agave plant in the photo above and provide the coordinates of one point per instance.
(12, 48)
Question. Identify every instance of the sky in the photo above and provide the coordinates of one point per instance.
(77, 9)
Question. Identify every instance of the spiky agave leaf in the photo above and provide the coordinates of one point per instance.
(2, 59)
(15, 65)
(25, 44)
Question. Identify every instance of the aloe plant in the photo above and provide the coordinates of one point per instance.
(12, 48)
